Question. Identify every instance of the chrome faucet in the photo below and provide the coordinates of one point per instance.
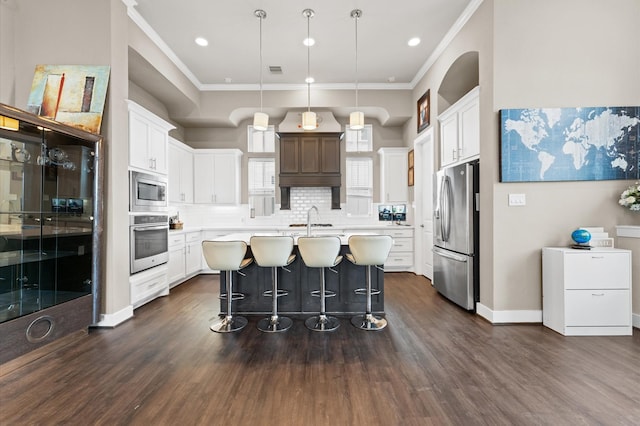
(309, 219)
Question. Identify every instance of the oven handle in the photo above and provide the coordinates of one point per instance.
(149, 228)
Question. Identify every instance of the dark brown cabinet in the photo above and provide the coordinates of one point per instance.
(310, 160)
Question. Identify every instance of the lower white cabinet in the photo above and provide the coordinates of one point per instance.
(586, 292)
(185, 256)
(401, 255)
(176, 264)
(193, 253)
(147, 285)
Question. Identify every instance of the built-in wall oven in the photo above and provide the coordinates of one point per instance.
(149, 241)
(147, 192)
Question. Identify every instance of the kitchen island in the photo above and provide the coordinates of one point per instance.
(300, 282)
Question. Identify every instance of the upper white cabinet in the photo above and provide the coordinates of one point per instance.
(148, 139)
(217, 176)
(180, 172)
(460, 130)
(394, 186)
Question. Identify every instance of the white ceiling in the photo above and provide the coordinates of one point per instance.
(384, 58)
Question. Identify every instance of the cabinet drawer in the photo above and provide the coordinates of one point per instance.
(597, 307)
(176, 240)
(148, 283)
(406, 233)
(402, 244)
(399, 259)
(597, 270)
(193, 237)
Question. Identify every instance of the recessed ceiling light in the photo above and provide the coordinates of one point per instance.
(201, 41)
(414, 41)
(308, 41)
(309, 80)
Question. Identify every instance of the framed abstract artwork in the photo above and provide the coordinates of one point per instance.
(71, 94)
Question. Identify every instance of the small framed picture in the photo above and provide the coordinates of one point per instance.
(411, 159)
(423, 111)
(410, 177)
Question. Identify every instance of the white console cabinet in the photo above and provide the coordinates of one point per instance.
(586, 292)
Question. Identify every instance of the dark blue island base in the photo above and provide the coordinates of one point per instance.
(299, 283)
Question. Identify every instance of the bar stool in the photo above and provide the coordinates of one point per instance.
(227, 256)
(321, 252)
(369, 250)
(273, 252)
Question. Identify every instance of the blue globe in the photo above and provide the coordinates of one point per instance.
(581, 236)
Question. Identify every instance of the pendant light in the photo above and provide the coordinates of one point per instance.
(356, 118)
(308, 117)
(260, 119)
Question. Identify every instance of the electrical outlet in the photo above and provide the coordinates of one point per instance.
(517, 199)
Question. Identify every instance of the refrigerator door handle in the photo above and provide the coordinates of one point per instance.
(445, 197)
(449, 255)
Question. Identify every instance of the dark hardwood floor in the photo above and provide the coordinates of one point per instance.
(434, 364)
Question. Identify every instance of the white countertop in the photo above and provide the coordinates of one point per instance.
(289, 230)
(246, 236)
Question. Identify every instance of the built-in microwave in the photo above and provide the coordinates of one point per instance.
(147, 192)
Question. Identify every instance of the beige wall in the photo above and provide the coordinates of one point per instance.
(586, 55)
(91, 33)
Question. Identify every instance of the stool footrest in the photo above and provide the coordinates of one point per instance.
(327, 293)
(234, 296)
(279, 293)
(363, 291)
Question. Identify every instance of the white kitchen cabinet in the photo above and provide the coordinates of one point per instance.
(586, 292)
(180, 172)
(460, 130)
(176, 264)
(148, 285)
(402, 252)
(217, 176)
(148, 140)
(394, 186)
(193, 253)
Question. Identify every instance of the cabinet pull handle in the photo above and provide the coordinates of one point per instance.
(597, 294)
(597, 257)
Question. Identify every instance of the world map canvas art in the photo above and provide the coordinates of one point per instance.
(563, 144)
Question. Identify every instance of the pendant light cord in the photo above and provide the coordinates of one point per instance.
(261, 16)
(356, 15)
(308, 62)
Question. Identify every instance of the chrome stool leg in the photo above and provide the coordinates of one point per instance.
(229, 323)
(368, 321)
(322, 322)
(274, 323)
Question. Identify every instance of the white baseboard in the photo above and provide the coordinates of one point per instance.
(635, 320)
(503, 317)
(112, 320)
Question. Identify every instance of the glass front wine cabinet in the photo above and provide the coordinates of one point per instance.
(49, 230)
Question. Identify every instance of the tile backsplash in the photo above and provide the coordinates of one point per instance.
(301, 200)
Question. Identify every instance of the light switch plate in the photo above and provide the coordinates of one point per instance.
(517, 199)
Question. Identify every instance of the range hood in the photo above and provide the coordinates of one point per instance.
(326, 123)
(309, 158)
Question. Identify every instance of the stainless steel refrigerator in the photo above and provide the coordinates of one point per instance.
(455, 251)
